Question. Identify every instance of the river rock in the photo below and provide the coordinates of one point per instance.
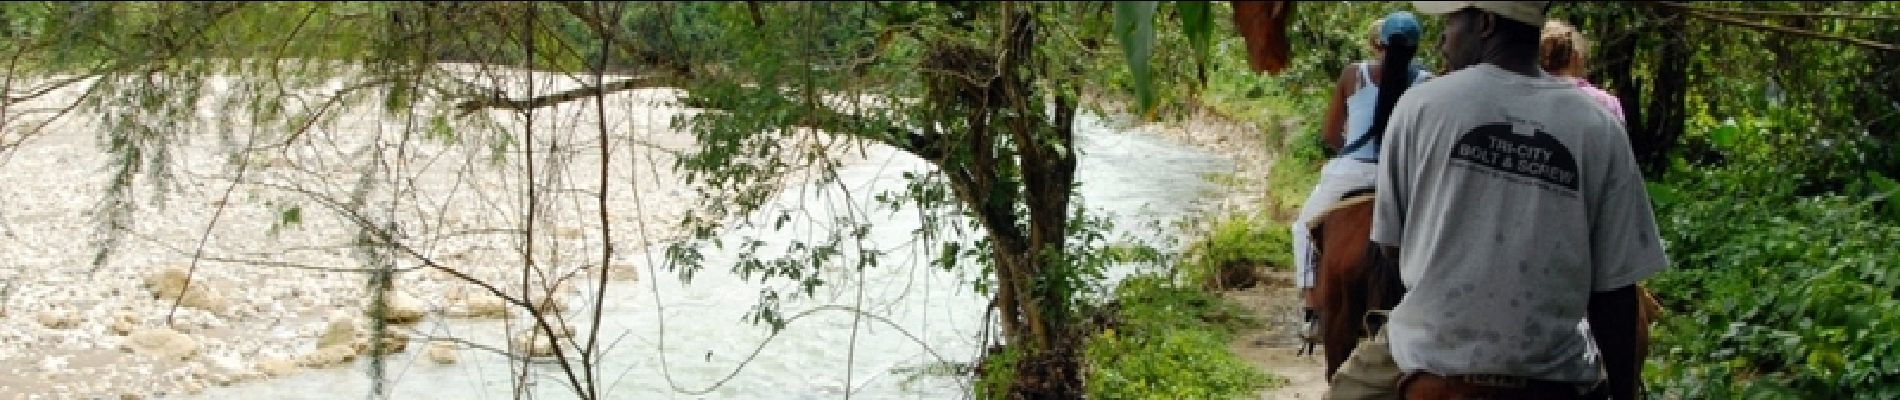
(546, 304)
(328, 356)
(441, 352)
(534, 345)
(393, 342)
(58, 319)
(162, 343)
(198, 292)
(192, 387)
(403, 308)
(623, 273)
(123, 323)
(276, 367)
(340, 331)
(482, 305)
(221, 379)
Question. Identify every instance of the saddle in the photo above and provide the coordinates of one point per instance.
(1351, 198)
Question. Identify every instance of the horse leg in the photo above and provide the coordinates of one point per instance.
(1339, 324)
(1342, 282)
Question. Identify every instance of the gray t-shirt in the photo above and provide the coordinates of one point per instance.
(1511, 198)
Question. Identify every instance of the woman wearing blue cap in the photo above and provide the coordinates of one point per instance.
(1350, 132)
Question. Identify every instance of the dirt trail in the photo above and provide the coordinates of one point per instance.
(1274, 346)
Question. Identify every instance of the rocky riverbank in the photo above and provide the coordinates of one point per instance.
(226, 273)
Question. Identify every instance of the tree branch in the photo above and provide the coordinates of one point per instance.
(1797, 14)
(758, 18)
(49, 88)
(1706, 15)
(645, 82)
(593, 22)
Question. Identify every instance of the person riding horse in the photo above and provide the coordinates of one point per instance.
(1348, 131)
(1513, 208)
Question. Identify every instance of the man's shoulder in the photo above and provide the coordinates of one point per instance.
(1466, 83)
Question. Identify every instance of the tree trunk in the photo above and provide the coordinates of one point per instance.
(1665, 116)
(1653, 125)
(1009, 129)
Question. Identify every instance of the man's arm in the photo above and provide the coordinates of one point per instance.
(1613, 322)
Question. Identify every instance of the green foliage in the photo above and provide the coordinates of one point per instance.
(1170, 342)
(286, 218)
(1152, 303)
(1134, 28)
(1288, 108)
(1779, 221)
(1779, 212)
(1236, 241)
(998, 373)
(1197, 23)
(1189, 364)
(1295, 173)
(1828, 101)
(1200, 24)
(1774, 295)
(1776, 216)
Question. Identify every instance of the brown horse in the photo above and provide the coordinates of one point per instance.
(1347, 287)
(1262, 25)
(1352, 280)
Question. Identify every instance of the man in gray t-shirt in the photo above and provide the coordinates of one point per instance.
(1515, 207)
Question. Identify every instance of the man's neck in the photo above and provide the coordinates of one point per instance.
(1518, 66)
(1519, 60)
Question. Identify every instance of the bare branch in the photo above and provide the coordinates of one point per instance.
(1797, 14)
(1698, 13)
(612, 36)
(49, 88)
(647, 82)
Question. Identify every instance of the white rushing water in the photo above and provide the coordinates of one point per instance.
(65, 327)
(1137, 177)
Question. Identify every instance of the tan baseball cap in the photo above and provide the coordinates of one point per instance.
(1528, 12)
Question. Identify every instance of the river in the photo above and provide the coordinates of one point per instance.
(1140, 179)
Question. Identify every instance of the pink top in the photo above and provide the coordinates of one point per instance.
(1601, 97)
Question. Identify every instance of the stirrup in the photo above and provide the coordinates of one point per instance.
(1309, 325)
(1309, 332)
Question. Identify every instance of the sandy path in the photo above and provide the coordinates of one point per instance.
(1275, 346)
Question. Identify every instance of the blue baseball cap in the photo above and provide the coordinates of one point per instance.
(1400, 23)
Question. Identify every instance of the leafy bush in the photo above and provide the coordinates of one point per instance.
(1236, 244)
(1295, 173)
(1170, 342)
(997, 373)
(1774, 295)
(1189, 364)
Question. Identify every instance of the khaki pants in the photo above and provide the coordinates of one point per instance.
(1369, 373)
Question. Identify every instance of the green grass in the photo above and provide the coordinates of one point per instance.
(1245, 240)
(1170, 342)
